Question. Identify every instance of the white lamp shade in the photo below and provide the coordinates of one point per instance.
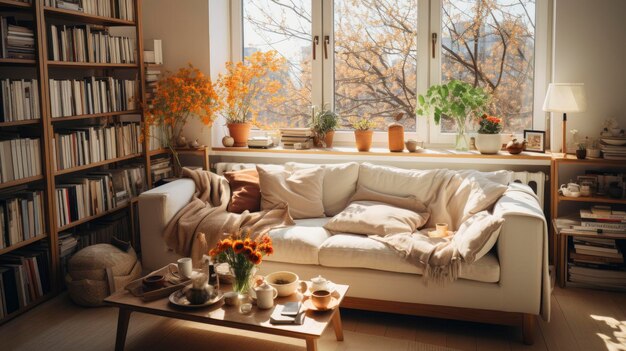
(565, 97)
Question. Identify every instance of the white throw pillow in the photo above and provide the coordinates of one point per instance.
(477, 235)
(375, 218)
(339, 184)
(301, 190)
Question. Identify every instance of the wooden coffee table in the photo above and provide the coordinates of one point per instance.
(228, 316)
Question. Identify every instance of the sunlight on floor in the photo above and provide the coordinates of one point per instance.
(618, 341)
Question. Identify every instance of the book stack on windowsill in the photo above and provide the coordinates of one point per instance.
(296, 138)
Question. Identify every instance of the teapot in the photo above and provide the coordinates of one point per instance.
(319, 283)
(265, 295)
(570, 190)
(515, 146)
(200, 291)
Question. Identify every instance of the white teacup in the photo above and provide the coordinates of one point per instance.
(185, 269)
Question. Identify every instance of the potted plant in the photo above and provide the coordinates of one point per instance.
(363, 132)
(455, 99)
(488, 140)
(245, 87)
(188, 94)
(592, 148)
(581, 152)
(324, 124)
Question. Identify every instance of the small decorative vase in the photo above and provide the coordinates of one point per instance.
(515, 146)
(242, 278)
(581, 154)
(461, 143)
(395, 135)
(363, 139)
(488, 143)
(240, 132)
(593, 153)
(228, 141)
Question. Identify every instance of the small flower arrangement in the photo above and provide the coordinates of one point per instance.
(242, 255)
(489, 125)
(362, 123)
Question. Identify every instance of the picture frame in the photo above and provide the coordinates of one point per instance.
(535, 140)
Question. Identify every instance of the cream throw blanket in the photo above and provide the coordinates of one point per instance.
(206, 213)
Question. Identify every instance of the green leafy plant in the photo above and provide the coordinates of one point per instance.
(582, 146)
(455, 99)
(324, 122)
(362, 123)
(489, 125)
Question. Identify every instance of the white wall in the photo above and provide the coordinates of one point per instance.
(183, 26)
(590, 48)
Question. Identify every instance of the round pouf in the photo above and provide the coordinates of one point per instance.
(97, 271)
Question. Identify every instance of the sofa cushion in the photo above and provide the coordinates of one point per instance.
(245, 191)
(477, 235)
(339, 183)
(357, 251)
(299, 243)
(408, 202)
(301, 190)
(376, 218)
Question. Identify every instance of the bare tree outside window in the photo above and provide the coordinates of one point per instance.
(488, 43)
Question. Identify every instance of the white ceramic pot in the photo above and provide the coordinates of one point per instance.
(488, 143)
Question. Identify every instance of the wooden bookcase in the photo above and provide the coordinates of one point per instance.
(562, 240)
(41, 16)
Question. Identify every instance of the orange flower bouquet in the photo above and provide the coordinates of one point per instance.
(187, 94)
(248, 85)
(242, 254)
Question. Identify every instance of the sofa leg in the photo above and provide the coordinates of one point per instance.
(528, 328)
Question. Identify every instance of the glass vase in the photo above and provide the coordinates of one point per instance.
(242, 278)
(462, 143)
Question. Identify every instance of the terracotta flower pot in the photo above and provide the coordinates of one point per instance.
(363, 139)
(240, 132)
(328, 139)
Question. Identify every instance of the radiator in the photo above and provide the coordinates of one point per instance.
(535, 180)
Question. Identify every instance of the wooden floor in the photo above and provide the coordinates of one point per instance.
(583, 320)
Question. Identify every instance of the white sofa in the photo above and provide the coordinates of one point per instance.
(507, 286)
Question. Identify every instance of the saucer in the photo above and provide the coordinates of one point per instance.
(435, 234)
(178, 298)
(308, 304)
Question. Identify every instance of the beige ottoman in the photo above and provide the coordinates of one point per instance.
(99, 270)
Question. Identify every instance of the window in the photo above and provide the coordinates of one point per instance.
(371, 58)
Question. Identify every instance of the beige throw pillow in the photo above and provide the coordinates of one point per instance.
(301, 190)
(375, 218)
(409, 202)
(339, 183)
(477, 235)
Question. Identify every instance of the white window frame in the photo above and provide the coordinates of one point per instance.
(427, 66)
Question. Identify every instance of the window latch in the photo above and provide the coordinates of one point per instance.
(434, 40)
(316, 41)
(326, 43)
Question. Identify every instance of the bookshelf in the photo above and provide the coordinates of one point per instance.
(45, 125)
(564, 208)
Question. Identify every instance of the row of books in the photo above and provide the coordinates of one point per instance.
(613, 152)
(597, 262)
(161, 168)
(89, 43)
(17, 39)
(158, 137)
(82, 146)
(92, 95)
(122, 9)
(19, 158)
(296, 138)
(21, 216)
(24, 278)
(596, 220)
(95, 232)
(97, 192)
(20, 100)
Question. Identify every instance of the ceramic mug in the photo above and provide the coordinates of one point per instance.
(321, 299)
(185, 269)
(442, 229)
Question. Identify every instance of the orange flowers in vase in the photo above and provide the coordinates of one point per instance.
(187, 94)
(245, 87)
(242, 254)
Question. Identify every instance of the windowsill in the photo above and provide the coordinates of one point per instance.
(426, 155)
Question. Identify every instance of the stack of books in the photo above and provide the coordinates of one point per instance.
(296, 138)
(161, 168)
(16, 41)
(19, 158)
(158, 136)
(19, 100)
(24, 278)
(597, 262)
(89, 43)
(613, 147)
(92, 95)
(153, 75)
(154, 52)
(82, 146)
(122, 9)
(21, 216)
(260, 142)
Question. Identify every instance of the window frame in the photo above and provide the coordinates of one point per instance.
(427, 66)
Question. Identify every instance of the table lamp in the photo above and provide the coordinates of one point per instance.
(565, 97)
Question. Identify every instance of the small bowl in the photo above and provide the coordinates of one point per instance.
(153, 282)
(286, 283)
